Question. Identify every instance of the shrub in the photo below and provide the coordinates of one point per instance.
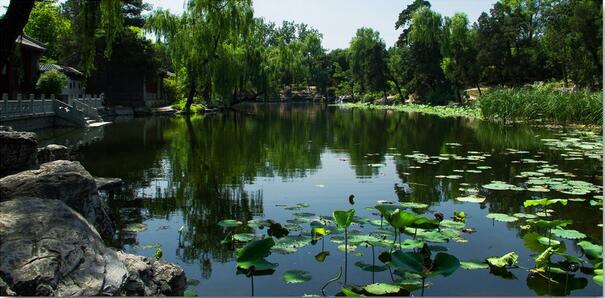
(52, 82)
(543, 102)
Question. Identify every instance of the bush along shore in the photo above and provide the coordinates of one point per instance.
(441, 111)
(534, 104)
(543, 104)
(53, 222)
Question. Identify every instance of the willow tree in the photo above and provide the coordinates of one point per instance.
(204, 43)
(425, 41)
(368, 61)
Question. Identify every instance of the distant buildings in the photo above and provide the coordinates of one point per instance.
(21, 72)
(75, 87)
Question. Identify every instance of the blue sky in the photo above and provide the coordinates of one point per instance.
(338, 20)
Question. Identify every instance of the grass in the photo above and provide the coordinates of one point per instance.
(543, 103)
(195, 108)
(441, 111)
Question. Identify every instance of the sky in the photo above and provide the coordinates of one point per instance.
(338, 20)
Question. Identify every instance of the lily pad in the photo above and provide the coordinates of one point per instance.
(382, 288)
(229, 223)
(244, 237)
(501, 217)
(321, 257)
(471, 199)
(296, 276)
(568, 234)
(473, 265)
(508, 260)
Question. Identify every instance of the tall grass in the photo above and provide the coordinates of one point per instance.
(544, 103)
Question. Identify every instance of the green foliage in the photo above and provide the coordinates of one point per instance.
(52, 82)
(254, 253)
(508, 260)
(543, 102)
(47, 25)
(418, 263)
(343, 218)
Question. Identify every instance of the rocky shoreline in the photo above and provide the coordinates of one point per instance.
(52, 225)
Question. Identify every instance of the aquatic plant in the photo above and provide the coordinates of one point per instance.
(543, 103)
(421, 263)
(344, 219)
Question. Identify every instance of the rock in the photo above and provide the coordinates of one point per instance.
(49, 249)
(61, 180)
(5, 128)
(18, 151)
(149, 277)
(53, 152)
(108, 184)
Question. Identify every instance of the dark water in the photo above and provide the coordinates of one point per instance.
(196, 172)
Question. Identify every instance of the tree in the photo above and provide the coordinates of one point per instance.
(11, 26)
(47, 25)
(425, 39)
(398, 70)
(367, 60)
(203, 43)
(572, 40)
(405, 18)
(459, 61)
(52, 82)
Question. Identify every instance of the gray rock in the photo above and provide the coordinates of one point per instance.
(53, 152)
(61, 180)
(18, 151)
(49, 249)
(108, 184)
(148, 277)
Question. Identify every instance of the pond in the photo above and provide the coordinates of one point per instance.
(297, 163)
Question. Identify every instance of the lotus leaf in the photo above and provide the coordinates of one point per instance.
(568, 234)
(296, 276)
(382, 288)
(501, 217)
(508, 260)
(473, 265)
(229, 223)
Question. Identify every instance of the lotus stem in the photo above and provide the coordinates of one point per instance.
(331, 281)
(422, 291)
(346, 253)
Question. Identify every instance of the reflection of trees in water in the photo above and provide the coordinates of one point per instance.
(204, 163)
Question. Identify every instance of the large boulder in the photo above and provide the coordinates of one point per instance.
(49, 249)
(53, 152)
(61, 180)
(18, 151)
(148, 277)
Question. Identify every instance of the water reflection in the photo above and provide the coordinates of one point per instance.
(203, 169)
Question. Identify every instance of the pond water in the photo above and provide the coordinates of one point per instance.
(253, 164)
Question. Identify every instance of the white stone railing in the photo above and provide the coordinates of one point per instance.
(23, 105)
(26, 106)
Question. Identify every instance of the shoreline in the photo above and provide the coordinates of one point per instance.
(465, 112)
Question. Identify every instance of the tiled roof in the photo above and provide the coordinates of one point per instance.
(68, 70)
(27, 41)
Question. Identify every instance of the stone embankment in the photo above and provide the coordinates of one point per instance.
(52, 225)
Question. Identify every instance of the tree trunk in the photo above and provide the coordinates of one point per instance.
(399, 90)
(478, 88)
(190, 98)
(11, 26)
